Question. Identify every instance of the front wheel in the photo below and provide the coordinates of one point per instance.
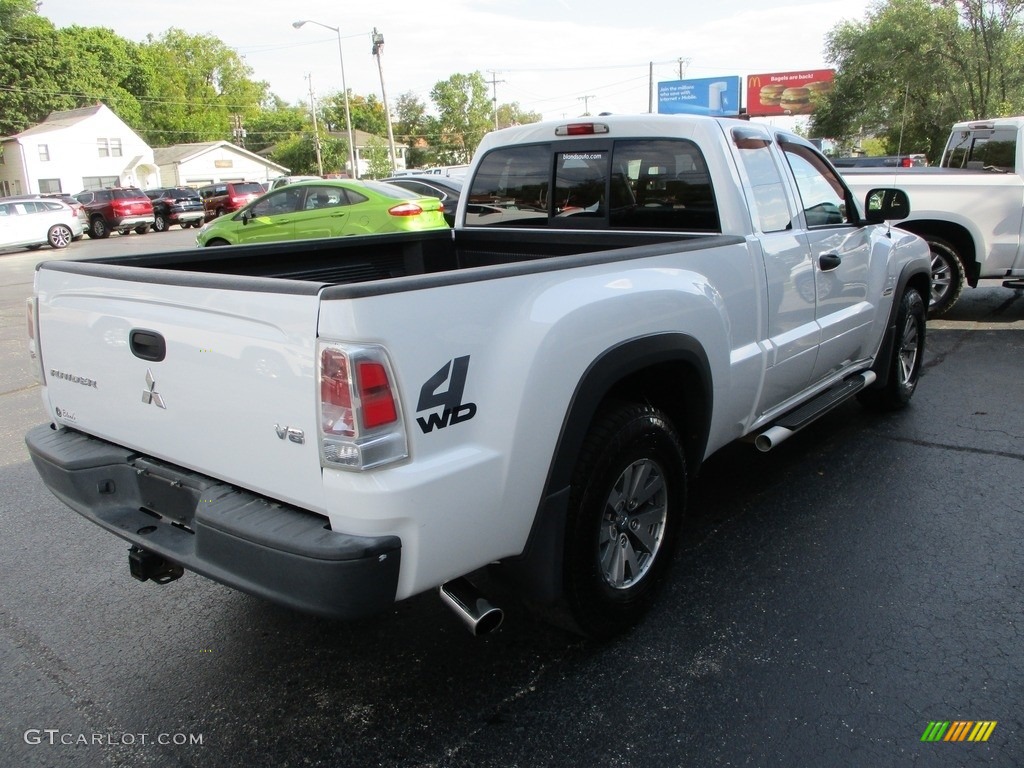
(160, 223)
(907, 354)
(216, 242)
(627, 499)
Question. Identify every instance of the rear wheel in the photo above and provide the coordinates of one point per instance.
(907, 354)
(627, 499)
(947, 277)
(59, 236)
(98, 228)
(142, 229)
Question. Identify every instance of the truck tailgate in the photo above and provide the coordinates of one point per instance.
(214, 374)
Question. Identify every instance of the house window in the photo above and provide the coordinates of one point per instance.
(49, 186)
(108, 147)
(99, 182)
(44, 152)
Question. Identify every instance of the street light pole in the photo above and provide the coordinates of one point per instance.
(378, 47)
(344, 87)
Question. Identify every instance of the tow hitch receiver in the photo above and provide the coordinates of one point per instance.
(146, 565)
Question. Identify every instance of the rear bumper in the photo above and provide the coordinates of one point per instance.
(243, 540)
(130, 222)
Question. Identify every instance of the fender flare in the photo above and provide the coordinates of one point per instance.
(883, 360)
(536, 572)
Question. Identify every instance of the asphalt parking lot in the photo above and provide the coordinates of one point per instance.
(830, 601)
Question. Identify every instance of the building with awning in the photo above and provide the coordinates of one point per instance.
(212, 162)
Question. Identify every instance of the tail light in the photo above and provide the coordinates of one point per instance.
(906, 162)
(361, 425)
(405, 209)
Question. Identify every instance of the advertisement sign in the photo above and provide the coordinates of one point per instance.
(787, 93)
(707, 96)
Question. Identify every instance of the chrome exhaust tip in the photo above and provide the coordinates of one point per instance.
(471, 606)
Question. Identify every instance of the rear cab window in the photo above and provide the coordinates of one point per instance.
(631, 184)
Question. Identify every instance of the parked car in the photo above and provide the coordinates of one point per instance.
(119, 208)
(176, 205)
(325, 208)
(445, 188)
(228, 196)
(32, 222)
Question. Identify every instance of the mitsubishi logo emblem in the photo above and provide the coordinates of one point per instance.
(150, 395)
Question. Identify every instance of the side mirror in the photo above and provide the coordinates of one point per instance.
(886, 204)
(246, 215)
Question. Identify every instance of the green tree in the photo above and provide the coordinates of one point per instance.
(914, 67)
(34, 75)
(464, 116)
(378, 158)
(197, 84)
(276, 122)
(297, 153)
(513, 114)
(411, 127)
(106, 67)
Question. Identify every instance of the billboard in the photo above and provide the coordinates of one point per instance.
(786, 93)
(707, 96)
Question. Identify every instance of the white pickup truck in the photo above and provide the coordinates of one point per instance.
(970, 209)
(336, 425)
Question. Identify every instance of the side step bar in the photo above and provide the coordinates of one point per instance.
(791, 423)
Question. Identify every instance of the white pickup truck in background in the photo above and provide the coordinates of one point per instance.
(339, 424)
(970, 209)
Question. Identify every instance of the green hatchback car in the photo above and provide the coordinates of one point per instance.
(325, 208)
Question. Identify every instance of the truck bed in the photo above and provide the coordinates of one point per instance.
(377, 257)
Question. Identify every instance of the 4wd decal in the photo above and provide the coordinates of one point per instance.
(450, 400)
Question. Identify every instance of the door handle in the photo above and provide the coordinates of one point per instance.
(829, 261)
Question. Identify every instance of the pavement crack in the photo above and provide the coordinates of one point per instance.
(959, 448)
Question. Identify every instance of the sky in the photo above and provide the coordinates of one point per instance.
(559, 58)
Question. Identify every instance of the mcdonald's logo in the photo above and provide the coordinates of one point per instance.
(754, 82)
(959, 730)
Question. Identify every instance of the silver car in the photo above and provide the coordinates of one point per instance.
(33, 222)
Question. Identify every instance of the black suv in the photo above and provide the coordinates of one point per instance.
(176, 205)
(120, 208)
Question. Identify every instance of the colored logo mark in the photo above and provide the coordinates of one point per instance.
(958, 730)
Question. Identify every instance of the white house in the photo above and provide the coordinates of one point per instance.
(193, 165)
(87, 148)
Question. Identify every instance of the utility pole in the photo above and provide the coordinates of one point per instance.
(586, 103)
(378, 49)
(494, 95)
(682, 63)
(316, 130)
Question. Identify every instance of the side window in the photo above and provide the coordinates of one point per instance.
(324, 197)
(822, 194)
(285, 200)
(661, 184)
(771, 210)
(511, 188)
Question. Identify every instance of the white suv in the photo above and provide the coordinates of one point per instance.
(32, 222)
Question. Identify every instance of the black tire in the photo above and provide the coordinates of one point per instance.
(142, 229)
(216, 242)
(947, 276)
(619, 535)
(98, 228)
(197, 224)
(907, 355)
(59, 236)
(160, 223)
